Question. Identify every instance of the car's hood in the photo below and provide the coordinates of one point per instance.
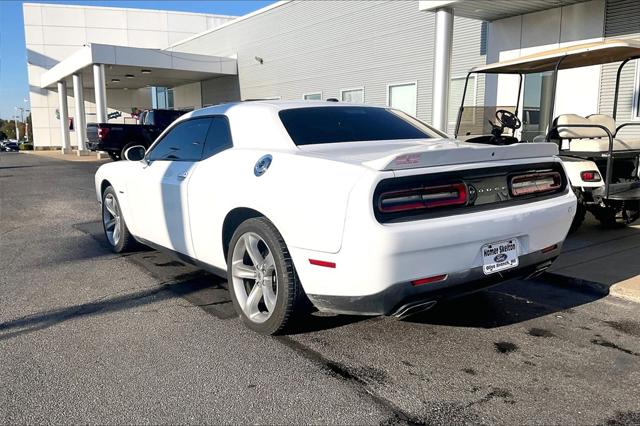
(415, 153)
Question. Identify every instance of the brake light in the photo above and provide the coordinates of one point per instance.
(423, 198)
(535, 183)
(103, 132)
(591, 176)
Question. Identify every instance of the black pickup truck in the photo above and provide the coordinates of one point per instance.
(115, 139)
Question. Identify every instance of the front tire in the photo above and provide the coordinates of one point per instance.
(115, 228)
(263, 283)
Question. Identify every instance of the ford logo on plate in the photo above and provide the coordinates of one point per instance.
(500, 257)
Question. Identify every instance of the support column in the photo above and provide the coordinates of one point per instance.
(101, 92)
(442, 67)
(63, 107)
(80, 124)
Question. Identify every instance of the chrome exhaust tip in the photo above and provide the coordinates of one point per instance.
(413, 308)
(540, 269)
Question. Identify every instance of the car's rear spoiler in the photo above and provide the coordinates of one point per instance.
(464, 153)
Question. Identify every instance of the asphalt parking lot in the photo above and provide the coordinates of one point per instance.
(87, 336)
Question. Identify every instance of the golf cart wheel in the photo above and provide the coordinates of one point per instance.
(581, 211)
(115, 228)
(263, 283)
(607, 216)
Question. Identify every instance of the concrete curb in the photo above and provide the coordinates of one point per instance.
(628, 289)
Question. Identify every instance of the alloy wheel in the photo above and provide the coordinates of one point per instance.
(255, 279)
(111, 219)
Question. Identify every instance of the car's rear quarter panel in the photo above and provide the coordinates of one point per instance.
(305, 197)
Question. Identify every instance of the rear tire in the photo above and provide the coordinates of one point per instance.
(113, 223)
(263, 283)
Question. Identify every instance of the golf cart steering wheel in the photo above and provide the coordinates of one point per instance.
(508, 119)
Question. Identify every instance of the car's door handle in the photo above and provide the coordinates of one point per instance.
(183, 175)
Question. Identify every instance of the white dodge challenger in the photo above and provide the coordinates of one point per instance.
(357, 209)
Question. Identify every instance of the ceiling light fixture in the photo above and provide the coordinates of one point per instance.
(115, 80)
(145, 71)
(129, 75)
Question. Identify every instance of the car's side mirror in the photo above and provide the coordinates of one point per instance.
(135, 153)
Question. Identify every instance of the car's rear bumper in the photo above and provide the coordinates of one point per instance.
(401, 298)
(95, 146)
(373, 271)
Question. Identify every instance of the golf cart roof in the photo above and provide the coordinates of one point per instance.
(578, 55)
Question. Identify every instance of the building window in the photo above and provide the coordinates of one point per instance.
(355, 95)
(403, 96)
(312, 96)
(162, 98)
(455, 96)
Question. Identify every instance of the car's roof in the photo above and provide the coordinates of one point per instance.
(270, 105)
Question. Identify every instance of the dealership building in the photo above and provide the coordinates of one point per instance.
(97, 64)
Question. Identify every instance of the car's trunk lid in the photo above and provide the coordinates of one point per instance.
(417, 153)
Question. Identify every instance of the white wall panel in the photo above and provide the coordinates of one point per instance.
(179, 22)
(106, 18)
(146, 20)
(148, 39)
(62, 16)
(32, 14)
(64, 36)
(33, 35)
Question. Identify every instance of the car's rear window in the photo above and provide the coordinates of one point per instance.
(333, 124)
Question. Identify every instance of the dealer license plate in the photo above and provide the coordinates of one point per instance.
(499, 256)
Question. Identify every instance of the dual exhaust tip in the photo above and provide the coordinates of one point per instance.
(413, 308)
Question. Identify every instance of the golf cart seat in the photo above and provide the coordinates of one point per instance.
(592, 139)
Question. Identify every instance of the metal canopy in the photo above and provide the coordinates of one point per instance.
(135, 68)
(579, 55)
(491, 10)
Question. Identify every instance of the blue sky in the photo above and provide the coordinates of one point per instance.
(13, 63)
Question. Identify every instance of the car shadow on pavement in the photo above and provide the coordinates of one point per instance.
(190, 284)
(509, 303)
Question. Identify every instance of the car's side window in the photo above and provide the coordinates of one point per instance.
(218, 137)
(182, 143)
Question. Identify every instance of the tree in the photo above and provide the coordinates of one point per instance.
(8, 127)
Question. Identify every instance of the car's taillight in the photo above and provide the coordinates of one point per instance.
(535, 183)
(590, 176)
(103, 132)
(423, 198)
